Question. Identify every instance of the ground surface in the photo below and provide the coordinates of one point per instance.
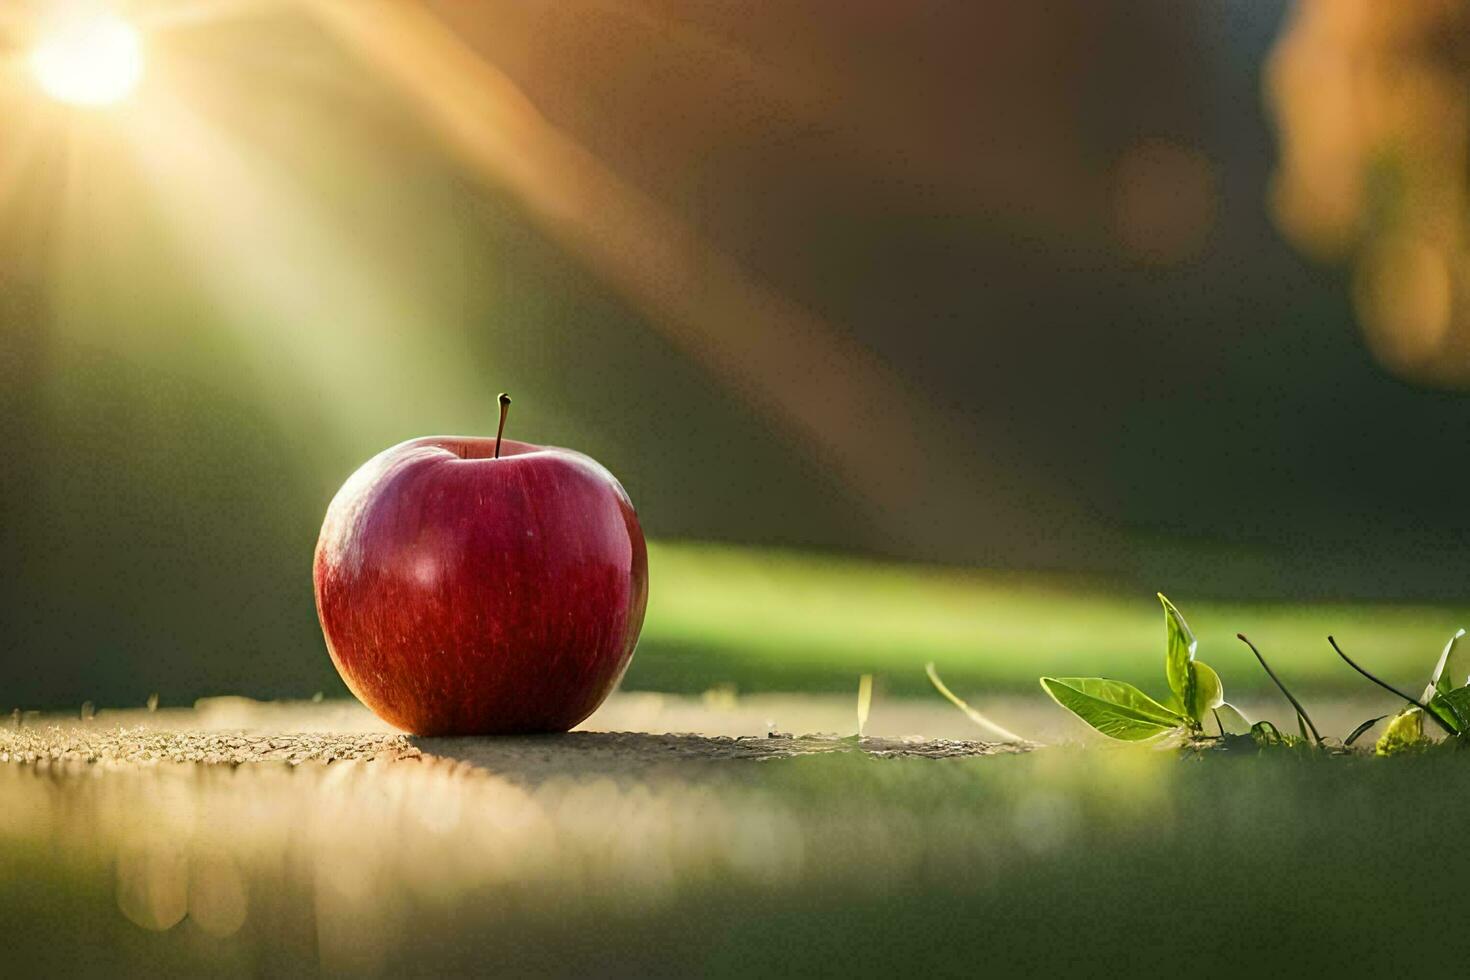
(303, 839)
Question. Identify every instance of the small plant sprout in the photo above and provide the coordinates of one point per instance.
(1004, 734)
(1442, 702)
(864, 702)
(1265, 733)
(1120, 710)
(1358, 732)
(1439, 681)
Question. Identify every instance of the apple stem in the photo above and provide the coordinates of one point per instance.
(504, 410)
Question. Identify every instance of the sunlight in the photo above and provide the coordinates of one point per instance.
(770, 350)
(287, 279)
(90, 58)
(298, 289)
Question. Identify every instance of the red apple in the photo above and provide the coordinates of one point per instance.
(472, 586)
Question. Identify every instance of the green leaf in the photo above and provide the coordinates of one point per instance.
(1232, 722)
(1441, 682)
(1209, 693)
(1116, 709)
(1268, 735)
(1454, 708)
(1358, 732)
(1446, 713)
(1179, 653)
(1404, 734)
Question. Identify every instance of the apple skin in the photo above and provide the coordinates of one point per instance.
(462, 594)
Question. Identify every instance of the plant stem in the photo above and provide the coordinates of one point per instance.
(1393, 690)
(1005, 734)
(1301, 712)
(504, 400)
(1361, 729)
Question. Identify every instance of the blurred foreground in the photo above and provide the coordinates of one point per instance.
(440, 857)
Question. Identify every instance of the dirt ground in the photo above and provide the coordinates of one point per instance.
(237, 731)
(540, 757)
(630, 733)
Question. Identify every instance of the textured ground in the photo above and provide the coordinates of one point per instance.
(49, 743)
(630, 733)
(236, 731)
(610, 753)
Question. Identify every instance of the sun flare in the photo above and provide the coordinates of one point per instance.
(94, 59)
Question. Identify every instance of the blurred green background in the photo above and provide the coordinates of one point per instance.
(950, 331)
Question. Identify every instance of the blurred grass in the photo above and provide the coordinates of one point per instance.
(766, 620)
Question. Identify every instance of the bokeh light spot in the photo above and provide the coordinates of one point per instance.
(1404, 296)
(89, 59)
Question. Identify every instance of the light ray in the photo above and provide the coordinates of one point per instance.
(301, 290)
(810, 378)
